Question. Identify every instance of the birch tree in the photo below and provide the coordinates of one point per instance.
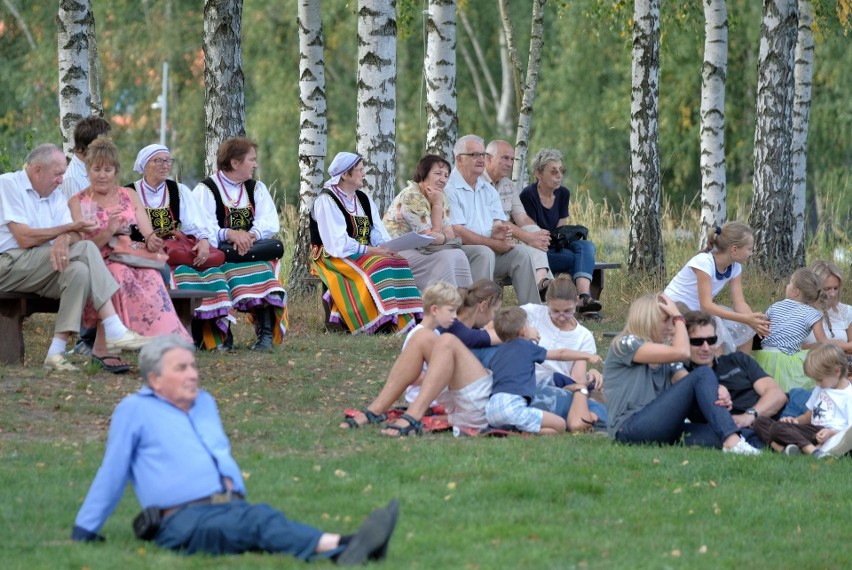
(224, 98)
(528, 89)
(803, 73)
(97, 103)
(772, 207)
(713, 75)
(376, 98)
(439, 68)
(72, 24)
(645, 253)
(313, 130)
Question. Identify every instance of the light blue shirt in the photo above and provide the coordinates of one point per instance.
(475, 209)
(171, 457)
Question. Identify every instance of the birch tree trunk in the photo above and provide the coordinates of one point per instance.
(97, 104)
(313, 132)
(645, 253)
(224, 98)
(506, 105)
(442, 123)
(376, 115)
(72, 24)
(522, 138)
(772, 207)
(803, 72)
(713, 75)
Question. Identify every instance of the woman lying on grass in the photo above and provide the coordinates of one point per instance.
(649, 394)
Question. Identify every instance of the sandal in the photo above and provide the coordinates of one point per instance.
(589, 304)
(415, 426)
(111, 363)
(372, 418)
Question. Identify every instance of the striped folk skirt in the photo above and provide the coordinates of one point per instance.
(367, 292)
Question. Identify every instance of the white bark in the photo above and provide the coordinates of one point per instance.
(713, 75)
(506, 105)
(13, 9)
(645, 253)
(376, 114)
(511, 48)
(224, 99)
(72, 23)
(772, 208)
(97, 103)
(522, 138)
(313, 129)
(439, 66)
(803, 72)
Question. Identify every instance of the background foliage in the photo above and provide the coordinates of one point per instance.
(582, 105)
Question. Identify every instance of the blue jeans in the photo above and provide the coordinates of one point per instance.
(662, 420)
(796, 400)
(558, 401)
(236, 527)
(578, 259)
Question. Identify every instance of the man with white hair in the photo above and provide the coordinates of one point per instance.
(171, 426)
(478, 219)
(44, 253)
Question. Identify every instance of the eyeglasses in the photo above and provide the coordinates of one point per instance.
(568, 313)
(473, 154)
(163, 161)
(699, 341)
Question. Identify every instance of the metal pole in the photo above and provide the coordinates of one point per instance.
(164, 100)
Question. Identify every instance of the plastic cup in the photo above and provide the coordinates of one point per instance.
(90, 211)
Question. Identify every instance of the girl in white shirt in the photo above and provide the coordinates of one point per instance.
(706, 274)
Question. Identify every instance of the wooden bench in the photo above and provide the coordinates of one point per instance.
(15, 307)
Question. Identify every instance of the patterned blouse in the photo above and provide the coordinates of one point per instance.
(410, 211)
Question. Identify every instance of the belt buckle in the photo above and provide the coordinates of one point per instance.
(220, 498)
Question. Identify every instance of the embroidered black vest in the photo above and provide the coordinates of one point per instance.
(163, 220)
(357, 227)
(233, 218)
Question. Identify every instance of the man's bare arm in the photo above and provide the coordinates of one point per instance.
(469, 237)
(30, 237)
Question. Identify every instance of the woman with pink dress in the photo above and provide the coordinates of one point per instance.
(142, 301)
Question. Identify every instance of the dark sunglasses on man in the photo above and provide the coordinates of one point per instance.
(700, 340)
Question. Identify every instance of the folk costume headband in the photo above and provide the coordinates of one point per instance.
(145, 155)
(342, 162)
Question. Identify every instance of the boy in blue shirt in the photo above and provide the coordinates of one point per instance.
(514, 375)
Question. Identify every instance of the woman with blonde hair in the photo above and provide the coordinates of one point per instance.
(837, 323)
(708, 272)
(648, 392)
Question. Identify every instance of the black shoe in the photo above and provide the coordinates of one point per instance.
(371, 540)
(589, 304)
(264, 322)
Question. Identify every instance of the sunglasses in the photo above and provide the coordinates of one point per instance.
(698, 341)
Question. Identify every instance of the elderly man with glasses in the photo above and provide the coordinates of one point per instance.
(744, 388)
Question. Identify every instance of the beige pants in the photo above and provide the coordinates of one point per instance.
(516, 263)
(30, 271)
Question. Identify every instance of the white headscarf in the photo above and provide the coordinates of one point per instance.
(342, 162)
(145, 155)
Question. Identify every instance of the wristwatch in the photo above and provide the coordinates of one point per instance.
(584, 391)
(752, 411)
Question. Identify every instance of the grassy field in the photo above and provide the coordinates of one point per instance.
(471, 503)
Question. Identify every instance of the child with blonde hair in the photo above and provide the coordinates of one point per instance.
(793, 318)
(828, 414)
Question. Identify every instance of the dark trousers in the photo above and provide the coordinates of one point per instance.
(662, 420)
(783, 433)
(234, 528)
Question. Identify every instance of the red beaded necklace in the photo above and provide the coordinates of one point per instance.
(147, 187)
(224, 183)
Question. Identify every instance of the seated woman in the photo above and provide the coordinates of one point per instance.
(546, 202)
(422, 207)
(838, 322)
(369, 287)
(171, 209)
(649, 394)
(244, 214)
(142, 301)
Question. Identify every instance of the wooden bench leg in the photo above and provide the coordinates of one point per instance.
(597, 285)
(12, 332)
(185, 309)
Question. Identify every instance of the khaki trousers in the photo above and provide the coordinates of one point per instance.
(30, 271)
(516, 263)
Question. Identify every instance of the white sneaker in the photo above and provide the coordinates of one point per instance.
(742, 448)
(58, 362)
(839, 444)
(128, 341)
(792, 449)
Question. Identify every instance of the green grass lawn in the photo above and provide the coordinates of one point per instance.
(521, 502)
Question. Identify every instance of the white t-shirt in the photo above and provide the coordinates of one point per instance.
(552, 339)
(841, 318)
(75, 179)
(684, 286)
(831, 408)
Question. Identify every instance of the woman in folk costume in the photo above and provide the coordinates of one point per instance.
(172, 209)
(369, 286)
(244, 214)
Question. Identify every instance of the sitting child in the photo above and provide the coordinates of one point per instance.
(514, 385)
(829, 408)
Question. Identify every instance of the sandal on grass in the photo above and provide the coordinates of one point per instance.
(111, 363)
(350, 422)
(589, 304)
(415, 426)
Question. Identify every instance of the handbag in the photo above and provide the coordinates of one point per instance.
(566, 235)
(135, 254)
(261, 250)
(179, 246)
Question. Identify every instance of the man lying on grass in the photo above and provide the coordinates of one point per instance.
(168, 440)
